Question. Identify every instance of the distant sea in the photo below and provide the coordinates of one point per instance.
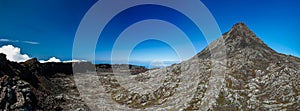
(147, 64)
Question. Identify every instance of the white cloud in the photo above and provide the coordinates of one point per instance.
(68, 61)
(27, 42)
(52, 59)
(157, 64)
(13, 53)
(4, 40)
(31, 42)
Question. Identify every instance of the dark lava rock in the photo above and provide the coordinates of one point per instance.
(15, 94)
(32, 85)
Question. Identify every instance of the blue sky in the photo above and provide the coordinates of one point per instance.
(44, 29)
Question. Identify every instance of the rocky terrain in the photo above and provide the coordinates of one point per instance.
(238, 71)
(33, 86)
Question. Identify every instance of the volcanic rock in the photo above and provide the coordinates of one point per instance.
(238, 71)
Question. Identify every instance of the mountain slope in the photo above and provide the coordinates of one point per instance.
(236, 72)
(259, 78)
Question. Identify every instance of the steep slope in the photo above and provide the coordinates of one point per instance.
(258, 78)
(236, 72)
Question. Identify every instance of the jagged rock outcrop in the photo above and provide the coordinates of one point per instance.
(15, 94)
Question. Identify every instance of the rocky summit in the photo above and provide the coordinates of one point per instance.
(238, 71)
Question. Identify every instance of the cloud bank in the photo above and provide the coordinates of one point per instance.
(52, 59)
(74, 61)
(157, 64)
